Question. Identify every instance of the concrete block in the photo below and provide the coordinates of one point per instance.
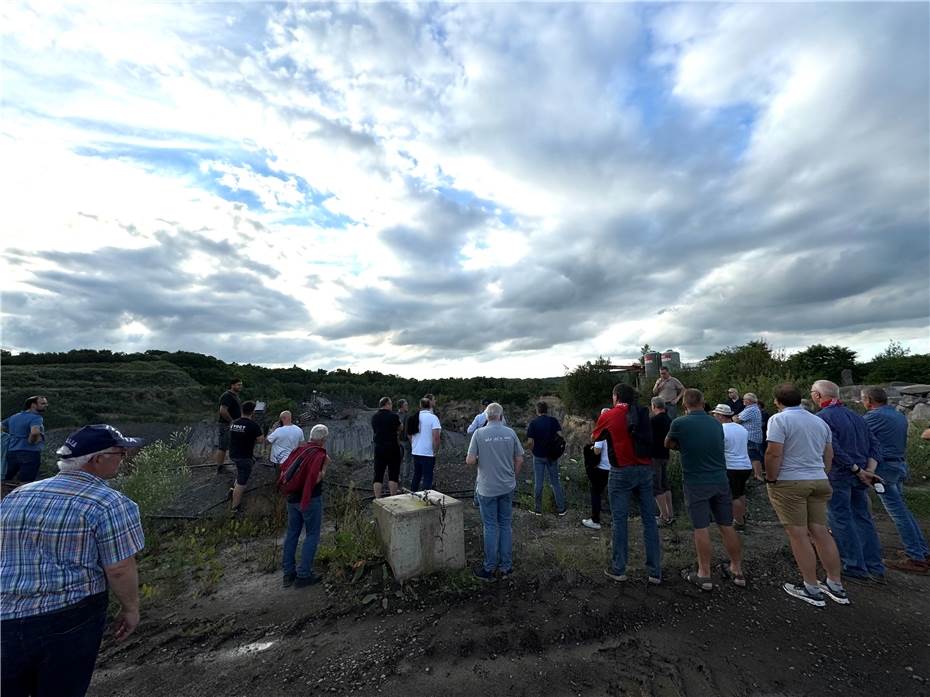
(421, 536)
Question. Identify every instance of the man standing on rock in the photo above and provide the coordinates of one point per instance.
(855, 458)
(699, 438)
(244, 433)
(229, 411)
(669, 390)
(497, 452)
(26, 440)
(733, 400)
(387, 453)
(425, 446)
(630, 475)
(540, 432)
(889, 426)
(284, 439)
(798, 457)
(64, 542)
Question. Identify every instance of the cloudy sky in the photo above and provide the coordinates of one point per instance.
(440, 189)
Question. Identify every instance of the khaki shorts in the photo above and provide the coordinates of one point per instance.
(802, 502)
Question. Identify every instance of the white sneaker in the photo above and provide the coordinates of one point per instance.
(588, 523)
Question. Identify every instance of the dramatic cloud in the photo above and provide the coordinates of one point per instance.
(437, 189)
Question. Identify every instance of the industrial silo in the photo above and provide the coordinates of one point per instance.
(671, 360)
(651, 362)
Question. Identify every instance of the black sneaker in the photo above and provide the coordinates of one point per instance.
(614, 576)
(487, 576)
(840, 597)
(304, 581)
(289, 580)
(504, 575)
(799, 591)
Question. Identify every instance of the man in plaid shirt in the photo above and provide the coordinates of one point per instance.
(63, 542)
(751, 419)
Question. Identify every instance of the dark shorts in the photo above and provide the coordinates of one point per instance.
(23, 465)
(243, 469)
(738, 479)
(387, 457)
(659, 476)
(755, 451)
(222, 436)
(709, 502)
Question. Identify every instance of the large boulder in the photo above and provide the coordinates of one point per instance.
(920, 412)
(917, 390)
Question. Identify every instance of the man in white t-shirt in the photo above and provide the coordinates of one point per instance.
(284, 438)
(425, 445)
(798, 457)
(739, 466)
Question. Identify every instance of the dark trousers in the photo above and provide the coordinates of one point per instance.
(52, 655)
(422, 472)
(24, 463)
(598, 479)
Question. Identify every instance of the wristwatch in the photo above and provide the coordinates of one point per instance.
(771, 481)
(856, 469)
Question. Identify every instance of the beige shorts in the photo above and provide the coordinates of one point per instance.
(802, 502)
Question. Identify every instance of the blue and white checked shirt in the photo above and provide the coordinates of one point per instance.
(56, 537)
(751, 419)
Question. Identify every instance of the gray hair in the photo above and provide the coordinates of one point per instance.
(494, 411)
(876, 394)
(658, 402)
(826, 388)
(606, 409)
(71, 464)
(319, 433)
(751, 397)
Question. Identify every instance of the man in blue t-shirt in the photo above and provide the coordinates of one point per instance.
(26, 439)
(539, 433)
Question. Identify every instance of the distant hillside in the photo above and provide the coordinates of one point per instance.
(86, 386)
(81, 393)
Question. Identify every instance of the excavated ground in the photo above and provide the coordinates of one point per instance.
(558, 627)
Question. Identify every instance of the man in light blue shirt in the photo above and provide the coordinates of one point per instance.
(26, 439)
(889, 426)
(498, 453)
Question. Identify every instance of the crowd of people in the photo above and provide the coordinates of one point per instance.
(65, 541)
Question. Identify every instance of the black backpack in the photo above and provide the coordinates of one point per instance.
(556, 447)
(640, 429)
(413, 424)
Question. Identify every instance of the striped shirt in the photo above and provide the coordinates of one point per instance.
(751, 419)
(56, 537)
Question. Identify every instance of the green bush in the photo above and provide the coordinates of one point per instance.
(355, 540)
(156, 474)
(918, 453)
(587, 388)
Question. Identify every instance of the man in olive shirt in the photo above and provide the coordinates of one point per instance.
(669, 390)
(699, 438)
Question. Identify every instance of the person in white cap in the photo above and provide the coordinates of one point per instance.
(739, 466)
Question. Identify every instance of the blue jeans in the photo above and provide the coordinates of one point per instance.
(623, 484)
(423, 472)
(52, 655)
(406, 465)
(24, 463)
(895, 473)
(309, 520)
(541, 466)
(497, 516)
(853, 528)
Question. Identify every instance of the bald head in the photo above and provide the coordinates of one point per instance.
(285, 418)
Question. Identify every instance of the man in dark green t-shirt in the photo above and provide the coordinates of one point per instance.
(699, 438)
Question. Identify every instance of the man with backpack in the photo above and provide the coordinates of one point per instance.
(301, 481)
(544, 438)
(626, 428)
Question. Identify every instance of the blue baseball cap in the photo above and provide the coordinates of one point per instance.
(94, 439)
